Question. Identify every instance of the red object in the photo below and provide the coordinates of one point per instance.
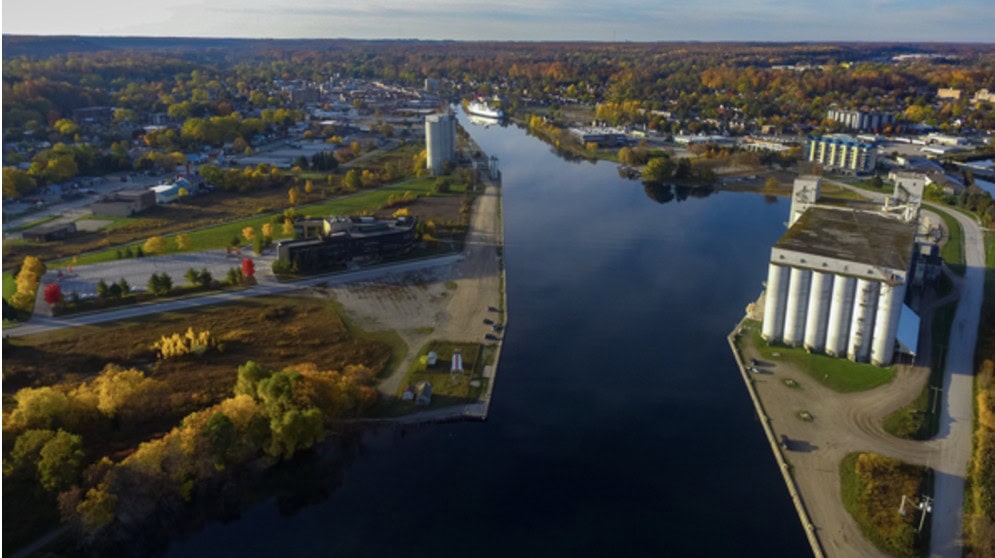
(53, 294)
(248, 267)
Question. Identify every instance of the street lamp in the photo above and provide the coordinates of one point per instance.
(925, 506)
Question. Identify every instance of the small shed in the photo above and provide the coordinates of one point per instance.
(408, 394)
(433, 358)
(45, 233)
(424, 394)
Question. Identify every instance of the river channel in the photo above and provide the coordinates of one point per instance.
(619, 424)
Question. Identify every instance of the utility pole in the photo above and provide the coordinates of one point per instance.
(936, 391)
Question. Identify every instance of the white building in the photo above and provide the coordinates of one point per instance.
(836, 283)
(440, 139)
(806, 193)
(842, 152)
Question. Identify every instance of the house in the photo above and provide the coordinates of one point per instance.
(124, 203)
(49, 232)
(166, 193)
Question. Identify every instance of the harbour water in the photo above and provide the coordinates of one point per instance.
(619, 425)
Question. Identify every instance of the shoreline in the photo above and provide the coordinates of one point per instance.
(783, 465)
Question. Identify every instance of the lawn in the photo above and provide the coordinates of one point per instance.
(9, 285)
(872, 487)
(447, 389)
(838, 374)
(953, 251)
(915, 420)
(220, 236)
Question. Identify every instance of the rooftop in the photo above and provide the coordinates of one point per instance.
(857, 236)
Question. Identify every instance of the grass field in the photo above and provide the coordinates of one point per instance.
(953, 251)
(838, 374)
(916, 420)
(9, 286)
(220, 236)
(447, 389)
(871, 488)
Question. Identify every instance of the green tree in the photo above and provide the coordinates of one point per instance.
(221, 434)
(61, 461)
(23, 458)
(102, 290)
(294, 430)
(250, 374)
(658, 170)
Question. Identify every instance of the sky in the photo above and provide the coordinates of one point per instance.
(593, 20)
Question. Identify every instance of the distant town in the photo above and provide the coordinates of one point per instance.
(220, 255)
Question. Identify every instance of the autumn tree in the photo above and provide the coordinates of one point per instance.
(40, 407)
(53, 294)
(288, 226)
(248, 268)
(308, 188)
(352, 180)
(27, 280)
(249, 233)
(182, 242)
(154, 245)
(17, 182)
(294, 195)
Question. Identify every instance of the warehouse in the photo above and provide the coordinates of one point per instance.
(345, 239)
(836, 283)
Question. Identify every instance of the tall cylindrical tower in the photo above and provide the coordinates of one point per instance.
(819, 298)
(774, 302)
(797, 306)
(840, 311)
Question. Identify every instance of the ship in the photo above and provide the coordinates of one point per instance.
(481, 108)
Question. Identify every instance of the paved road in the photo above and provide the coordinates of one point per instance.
(39, 323)
(957, 418)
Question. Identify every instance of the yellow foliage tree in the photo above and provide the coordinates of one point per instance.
(308, 186)
(176, 345)
(116, 388)
(288, 226)
(403, 212)
(267, 229)
(293, 195)
(249, 234)
(182, 242)
(27, 283)
(154, 245)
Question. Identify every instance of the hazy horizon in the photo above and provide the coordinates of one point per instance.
(961, 21)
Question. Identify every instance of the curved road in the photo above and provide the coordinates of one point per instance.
(39, 323)
(957, 415)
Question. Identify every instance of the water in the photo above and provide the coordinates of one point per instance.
(619, 426)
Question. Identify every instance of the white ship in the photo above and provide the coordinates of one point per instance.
(481, 108)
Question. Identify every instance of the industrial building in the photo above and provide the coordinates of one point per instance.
(440, 140)
(841, 152)
(344, 239)
(837, 278)
(861, 120)
(124, 203)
